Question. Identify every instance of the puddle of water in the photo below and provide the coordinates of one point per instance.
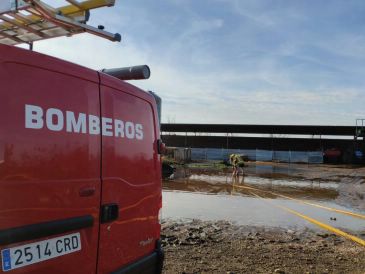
(219, 197)
(262, 181)
(245, 210)
(238, 209)
(269, 169)
(259, 169)
(225, 184)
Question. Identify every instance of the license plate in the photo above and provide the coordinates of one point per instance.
(20, 256)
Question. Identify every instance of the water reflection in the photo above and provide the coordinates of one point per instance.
(222, 183)
(219, 196)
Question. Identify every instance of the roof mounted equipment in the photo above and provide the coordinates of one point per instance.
(26, 21)
(130, 73)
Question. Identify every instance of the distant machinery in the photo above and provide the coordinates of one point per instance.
(359, 141)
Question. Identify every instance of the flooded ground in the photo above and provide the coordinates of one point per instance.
(275, 219)
(259, 199)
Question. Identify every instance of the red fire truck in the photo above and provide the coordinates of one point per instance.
(80, 170)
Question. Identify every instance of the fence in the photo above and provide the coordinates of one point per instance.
(310, 157)
(182, 154)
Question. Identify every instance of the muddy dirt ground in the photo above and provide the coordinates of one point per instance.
(221, 247)
(195, 246)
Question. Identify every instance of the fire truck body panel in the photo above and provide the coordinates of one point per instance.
(131, 177)
(62, 158)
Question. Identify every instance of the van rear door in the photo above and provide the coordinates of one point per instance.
(131, 175)
(49, 165)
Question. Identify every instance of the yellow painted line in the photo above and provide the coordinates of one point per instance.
(357, 215)
(318, 223)
(353, 214)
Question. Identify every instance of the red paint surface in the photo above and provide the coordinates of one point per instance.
(131, 178)
(42, 172)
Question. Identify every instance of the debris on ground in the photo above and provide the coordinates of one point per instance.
(222, 247)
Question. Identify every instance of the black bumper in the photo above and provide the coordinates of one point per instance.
(151, 264)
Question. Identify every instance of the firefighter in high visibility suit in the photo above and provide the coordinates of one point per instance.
(237, 162)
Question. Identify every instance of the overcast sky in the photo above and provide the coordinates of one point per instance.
(236, 61)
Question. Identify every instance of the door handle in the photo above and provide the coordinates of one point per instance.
(109, 213)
